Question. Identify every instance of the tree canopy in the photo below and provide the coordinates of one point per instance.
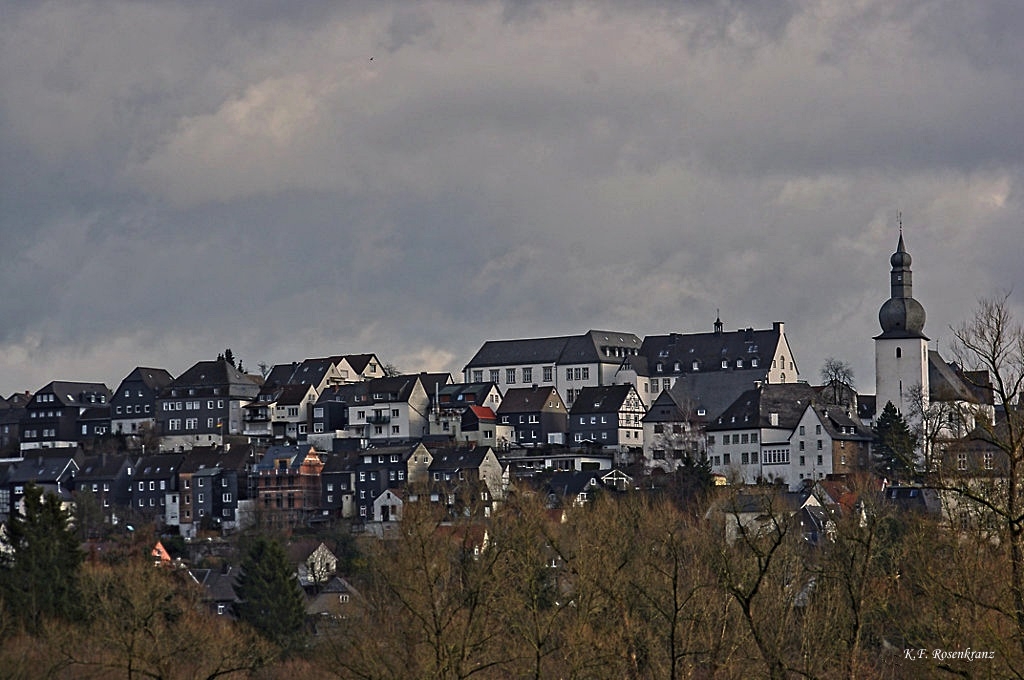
(41, 578)
(271, 598)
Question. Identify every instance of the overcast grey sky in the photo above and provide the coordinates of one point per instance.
(411, 179)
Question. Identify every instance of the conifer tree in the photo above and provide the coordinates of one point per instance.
(894, 445)
(40, 575)
(272, 601)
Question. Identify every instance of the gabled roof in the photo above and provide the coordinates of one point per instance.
(591, 347)
(713, 392)
(160, 466)
(294, 394)
(948, 382)
(358, 362)
(459, 459)
(216, 373)
(102, 467)
(345, 394)
(666, 409)
(603, 399)
(154, 378)
(462, 394)
(708, 350)
(78, 394)
(531, 400)
(42, 469)
(753, 408)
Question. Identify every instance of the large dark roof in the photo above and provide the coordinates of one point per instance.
(676, 352)
(154, 378)
(76, 393)
(753, 408)
(604, 399)
(530, 400)
(948, 382)
(217, 373)
(568, 349)
(714, 392)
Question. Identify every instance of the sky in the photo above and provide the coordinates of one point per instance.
(296, 180)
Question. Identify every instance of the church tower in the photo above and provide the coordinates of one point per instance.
(901, 351)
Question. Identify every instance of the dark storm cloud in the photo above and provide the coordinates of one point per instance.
(182, 176)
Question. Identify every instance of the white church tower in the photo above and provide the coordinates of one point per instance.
(901, 351)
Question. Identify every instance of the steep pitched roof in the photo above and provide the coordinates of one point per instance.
(154, 378)
(216, 373)
(79, 394)
(708, 350)
(753, 408)
(604, 399)
(531, 400)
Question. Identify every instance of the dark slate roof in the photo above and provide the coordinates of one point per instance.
(293, 394)
(76, 393)
(94, 413)
(604, 399)
(433, 382)
(154, 378)
(753, 408)
(42, 469)
(715, 391)
(709, 349)
(216, 373)
(948, 382)
(666, 409)
(571, 482)
(566, 349)
(358, 362)
(839, 425)
(101, 467)
(531, 400)
(459, 459)
(597, 346)
(160, 466)
(463, 394)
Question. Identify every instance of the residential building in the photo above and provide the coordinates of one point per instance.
(672, 433)
(608, 417)
(289, 484)
(566, 363)
(709, 370)
(751, 441)
(204, 404)
(394, 409)
(536, 414)
(133, 404)
(51, 417)
(153, 481)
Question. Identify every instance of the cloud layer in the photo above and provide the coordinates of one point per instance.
(415, 178)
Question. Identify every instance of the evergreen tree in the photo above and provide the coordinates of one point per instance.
(40, 575)
(272, 601)
(894, 445)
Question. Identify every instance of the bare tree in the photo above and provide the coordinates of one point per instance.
(990, 349)
(838, 375)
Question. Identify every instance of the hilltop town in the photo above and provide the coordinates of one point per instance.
(350, 448)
